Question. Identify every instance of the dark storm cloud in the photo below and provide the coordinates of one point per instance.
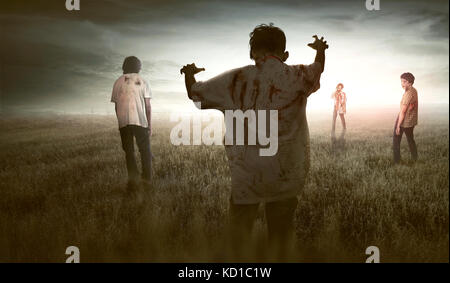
(404, 14)
(37, 69)
(51, 56)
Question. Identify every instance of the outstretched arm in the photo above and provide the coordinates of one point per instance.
(189, 79)
(319, 45)
(320, 57)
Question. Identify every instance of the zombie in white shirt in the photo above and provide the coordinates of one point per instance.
(129, 94)
(268, 86)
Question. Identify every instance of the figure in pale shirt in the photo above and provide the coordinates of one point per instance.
(269, 84)
(131, 95)
(340, 107)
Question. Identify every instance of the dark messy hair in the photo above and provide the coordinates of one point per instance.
(409, 77)
(131, 64)
(267, 38)
(340, 84)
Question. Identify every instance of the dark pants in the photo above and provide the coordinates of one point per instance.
(280, 224)
(127, 134)
(333, 125)
(409, 132)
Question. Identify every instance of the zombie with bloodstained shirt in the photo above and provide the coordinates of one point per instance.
(270, 84)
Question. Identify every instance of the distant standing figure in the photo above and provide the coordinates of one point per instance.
(407, 118)
(340, 101)
(131, 95)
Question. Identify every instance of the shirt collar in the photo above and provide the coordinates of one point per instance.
(267, 57)
(273, 57)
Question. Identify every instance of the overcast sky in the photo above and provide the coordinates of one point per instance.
(58, 60)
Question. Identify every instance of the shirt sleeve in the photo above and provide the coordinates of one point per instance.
(408, 98)
(216, 93)
(115, 91)
(147, 90)
(308, 77)
(414, 97)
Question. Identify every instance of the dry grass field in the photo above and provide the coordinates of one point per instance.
(63, 183)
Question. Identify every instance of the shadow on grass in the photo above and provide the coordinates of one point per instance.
(338, 146)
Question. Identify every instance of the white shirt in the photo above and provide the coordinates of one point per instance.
(129, 93)
(270, 84)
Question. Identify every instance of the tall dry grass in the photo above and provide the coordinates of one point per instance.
(63, 182)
